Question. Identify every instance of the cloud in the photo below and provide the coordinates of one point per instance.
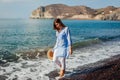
(8, 1)
(12, 1)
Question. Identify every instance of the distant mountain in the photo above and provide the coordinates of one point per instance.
(76, 12)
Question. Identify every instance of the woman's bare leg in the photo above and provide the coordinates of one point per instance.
(63, 66)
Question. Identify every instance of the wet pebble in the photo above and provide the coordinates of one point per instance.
(2, 77)
(29, 79)
(33, 70)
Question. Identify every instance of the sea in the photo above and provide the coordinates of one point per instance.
(25, 34)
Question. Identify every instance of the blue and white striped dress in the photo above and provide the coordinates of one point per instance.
(63, 41)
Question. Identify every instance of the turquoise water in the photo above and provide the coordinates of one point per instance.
(20, 34)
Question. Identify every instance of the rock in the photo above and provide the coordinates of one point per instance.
(7, 56)
(33, 70)
(15, 78)
(5, 64)
(29, 79)
(2, 77)
(115, 15)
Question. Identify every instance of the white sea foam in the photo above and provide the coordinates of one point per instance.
(36, 69)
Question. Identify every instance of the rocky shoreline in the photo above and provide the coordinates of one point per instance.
(108, 69)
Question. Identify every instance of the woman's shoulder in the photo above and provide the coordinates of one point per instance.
(66, 28)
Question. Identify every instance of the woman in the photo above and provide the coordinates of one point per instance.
(63, 46)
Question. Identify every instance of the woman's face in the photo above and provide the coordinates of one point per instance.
(58, 25)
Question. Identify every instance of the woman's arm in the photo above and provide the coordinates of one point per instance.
(55, 46)
(69, 41)
(70, 50)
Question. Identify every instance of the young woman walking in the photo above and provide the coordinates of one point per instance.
(63, 46)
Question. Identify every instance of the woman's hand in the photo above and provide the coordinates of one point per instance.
(70, 50)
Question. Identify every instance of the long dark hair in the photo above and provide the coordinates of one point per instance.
(57, 20)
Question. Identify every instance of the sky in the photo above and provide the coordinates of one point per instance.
(23, 8)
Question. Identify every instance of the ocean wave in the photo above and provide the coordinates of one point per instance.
(6, 56)
(93, 40)
(86, 43)
(105, 38)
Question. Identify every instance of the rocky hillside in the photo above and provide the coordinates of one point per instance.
(115, 15)
(76, 12)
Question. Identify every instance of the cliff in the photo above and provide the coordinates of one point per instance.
(115, 15)
(75, 12)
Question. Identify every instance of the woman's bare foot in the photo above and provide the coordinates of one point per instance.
(62, 72)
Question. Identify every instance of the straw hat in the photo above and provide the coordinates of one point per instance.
(50, 54)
